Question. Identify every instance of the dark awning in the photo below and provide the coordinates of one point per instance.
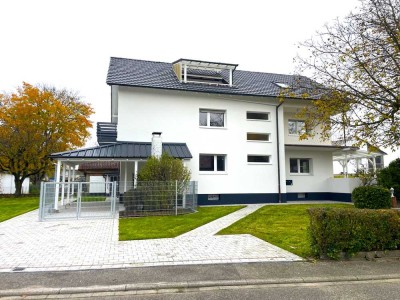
(124, 150)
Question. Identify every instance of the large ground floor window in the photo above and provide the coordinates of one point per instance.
(212, 162)
(300, 165)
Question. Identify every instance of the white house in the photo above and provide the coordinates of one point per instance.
(232, 128)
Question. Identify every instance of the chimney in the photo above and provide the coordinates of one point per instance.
(156, 144)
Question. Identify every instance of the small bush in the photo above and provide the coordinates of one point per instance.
(389, 177)
(337, 230)
(373, 197)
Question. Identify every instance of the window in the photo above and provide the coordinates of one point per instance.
(251, 136)
(300, 165)
(258, 159)
(212, 163)
(296, 127)
(212, 118)
(282, 85)
(262, 116)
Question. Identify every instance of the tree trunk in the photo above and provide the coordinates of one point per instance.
(18, 185)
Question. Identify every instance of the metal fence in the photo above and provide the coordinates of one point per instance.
(159, 198)
(77, 200)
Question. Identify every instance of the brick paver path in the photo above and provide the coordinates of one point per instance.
(93, 244)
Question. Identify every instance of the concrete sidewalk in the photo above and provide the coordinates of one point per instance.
(180, 278)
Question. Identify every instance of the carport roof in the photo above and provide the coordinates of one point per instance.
(124, 150)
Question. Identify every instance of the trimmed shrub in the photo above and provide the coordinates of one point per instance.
(165, 168)
(157, 184)
(336, 230)
(373, 197)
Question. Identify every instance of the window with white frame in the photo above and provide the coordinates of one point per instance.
(212, 162)
(300, 165)
(258, 137)
(260, 159)
(296, 127)
(212, 118)
(257, 116)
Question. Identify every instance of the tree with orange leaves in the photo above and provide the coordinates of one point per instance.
(35, 122)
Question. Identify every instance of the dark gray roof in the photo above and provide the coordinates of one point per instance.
(125, 150)
(160, 75)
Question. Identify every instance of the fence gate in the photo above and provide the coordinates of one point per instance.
(77, 200)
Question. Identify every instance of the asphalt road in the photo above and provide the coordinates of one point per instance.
(380, 289)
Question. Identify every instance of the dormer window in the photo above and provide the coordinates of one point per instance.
(204, 72)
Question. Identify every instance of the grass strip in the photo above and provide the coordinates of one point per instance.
(155, 227)
(284, 226)
(12, 207)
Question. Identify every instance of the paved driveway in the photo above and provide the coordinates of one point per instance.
(29, 245)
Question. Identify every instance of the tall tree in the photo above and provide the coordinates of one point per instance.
(35, 122)
(356, 65)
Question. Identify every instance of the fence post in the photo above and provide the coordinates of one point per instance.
(114, 198)
(176, 197)
(79, 200)
(41, 203)
(194, 195)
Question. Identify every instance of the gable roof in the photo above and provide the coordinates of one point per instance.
(160, 75)
(125, 150)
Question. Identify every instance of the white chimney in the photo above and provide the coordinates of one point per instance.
(156, 144)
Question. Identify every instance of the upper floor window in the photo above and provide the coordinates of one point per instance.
(252, 136)
(296, 127)
(212, 162)
(212, 118)
(262, 116)
(300, 165)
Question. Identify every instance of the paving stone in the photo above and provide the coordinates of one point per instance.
(93, 244)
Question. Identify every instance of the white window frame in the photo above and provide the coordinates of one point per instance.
(310, 172)
(215, 164)
(259, 112)
(298, 130)
(259, 141)
(259, 163)
(209, 111)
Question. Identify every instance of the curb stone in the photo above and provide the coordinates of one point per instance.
(165, 286)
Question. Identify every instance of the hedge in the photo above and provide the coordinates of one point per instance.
(349, 230)
(374, 197)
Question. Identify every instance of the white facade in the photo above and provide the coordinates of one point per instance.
(142, 111)
(7, 185)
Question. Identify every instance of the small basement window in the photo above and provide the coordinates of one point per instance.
(263, 116)
(252, 136)
(264, 159)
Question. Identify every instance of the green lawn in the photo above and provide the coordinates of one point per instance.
(282, 225)
(12, 207)
(93, 198)
(170, 226)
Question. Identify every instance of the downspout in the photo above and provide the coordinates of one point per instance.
(278, 155)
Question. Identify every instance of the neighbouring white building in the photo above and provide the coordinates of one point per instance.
(239, 138)
(7, 184)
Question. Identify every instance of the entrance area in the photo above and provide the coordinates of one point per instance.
(77, 200)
